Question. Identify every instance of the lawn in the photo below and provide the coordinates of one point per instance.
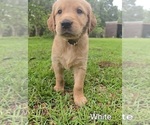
(13, 81)
(116, 84)
(136, 80)
(103, 86)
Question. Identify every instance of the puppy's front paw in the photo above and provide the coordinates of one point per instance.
(59, 88)
(80, 100)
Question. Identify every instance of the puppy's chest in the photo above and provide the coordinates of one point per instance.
(69, 58)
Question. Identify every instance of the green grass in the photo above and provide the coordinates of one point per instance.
(13, 81)
(107, 90)
(102, 86)
(136, 80)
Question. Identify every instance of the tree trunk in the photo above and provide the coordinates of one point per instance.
(37, 31)
(1, 33)
(13, 31)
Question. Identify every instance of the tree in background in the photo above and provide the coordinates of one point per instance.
(40, 9)
(147, 16)
(13, 15)
(119, 16)
(131, 12)
(104, 11)
(38, 15)
(14, 18)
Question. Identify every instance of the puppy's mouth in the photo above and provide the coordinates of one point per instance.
(68, 33)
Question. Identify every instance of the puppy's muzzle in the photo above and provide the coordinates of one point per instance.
(66, 24)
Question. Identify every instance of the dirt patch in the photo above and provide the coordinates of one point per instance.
(134, 64)
(106, 64)
(126, 64)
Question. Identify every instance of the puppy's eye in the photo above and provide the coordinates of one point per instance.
(59, 12)
(79, 11)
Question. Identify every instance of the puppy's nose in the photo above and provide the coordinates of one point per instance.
(66, 24)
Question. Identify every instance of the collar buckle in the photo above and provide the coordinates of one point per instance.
(72, 42)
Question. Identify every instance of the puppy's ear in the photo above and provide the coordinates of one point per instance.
(51, 21)
(91, 20)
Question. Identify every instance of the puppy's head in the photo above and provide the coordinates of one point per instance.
(71, 18)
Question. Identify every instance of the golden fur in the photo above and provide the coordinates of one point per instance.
(71, 20)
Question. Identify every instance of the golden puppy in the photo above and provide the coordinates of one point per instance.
(71, 20)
